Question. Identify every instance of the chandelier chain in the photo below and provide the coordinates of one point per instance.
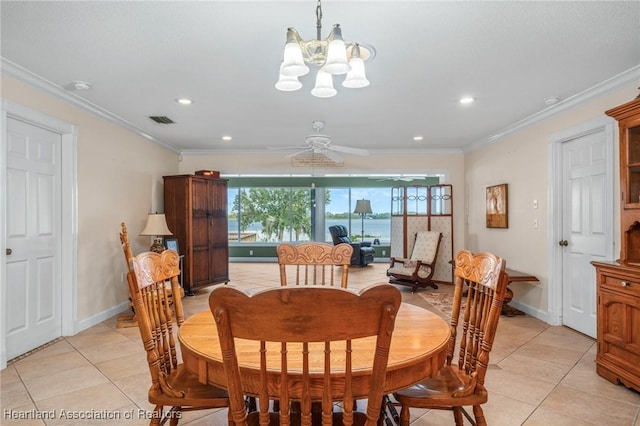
(319, 21)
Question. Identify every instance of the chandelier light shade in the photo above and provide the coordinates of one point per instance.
(332, 56)
(288, 83)
(324, 85)
(356, 77)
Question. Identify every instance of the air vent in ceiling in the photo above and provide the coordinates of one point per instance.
(161, 119)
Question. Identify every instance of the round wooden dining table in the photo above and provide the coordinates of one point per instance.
(418, 350)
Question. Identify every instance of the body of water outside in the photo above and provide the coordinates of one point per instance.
(373, 228)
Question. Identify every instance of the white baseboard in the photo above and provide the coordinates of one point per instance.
(98, 318)
(534, 312)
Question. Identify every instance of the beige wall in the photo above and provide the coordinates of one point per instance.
(522, 161)
(119, 180)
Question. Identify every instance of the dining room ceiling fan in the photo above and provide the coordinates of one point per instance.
(320, 143)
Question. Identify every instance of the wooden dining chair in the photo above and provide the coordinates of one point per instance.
(129, 319)
(303, 336)
(172, 385)
(462, 384)
(314, 263)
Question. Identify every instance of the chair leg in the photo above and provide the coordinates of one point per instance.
(174, 420)
(479, 415)
(405, 415)
(457, 415)
(157, 415)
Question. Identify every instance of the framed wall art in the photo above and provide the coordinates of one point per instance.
(497, 211)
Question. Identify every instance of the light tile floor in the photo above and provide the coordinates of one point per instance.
(539, 375)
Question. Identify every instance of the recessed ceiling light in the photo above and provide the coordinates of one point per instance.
(81, 85)
(417, 138)
(184, 101)
(466, 100)
(552, 100)
(226, 138)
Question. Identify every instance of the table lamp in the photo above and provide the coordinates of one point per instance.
(363, 207)
(157, 228)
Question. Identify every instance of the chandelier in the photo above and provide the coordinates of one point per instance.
(333, 57)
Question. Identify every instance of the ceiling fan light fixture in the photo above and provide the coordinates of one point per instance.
(332, 55)
(324, 85)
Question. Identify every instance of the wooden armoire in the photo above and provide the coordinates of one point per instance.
(618, 283)
(196, 212)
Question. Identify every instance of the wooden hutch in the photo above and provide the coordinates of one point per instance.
(196, 210)
(618, 283)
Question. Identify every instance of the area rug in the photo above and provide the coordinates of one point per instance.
(443, 301)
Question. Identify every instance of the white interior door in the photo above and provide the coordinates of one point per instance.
(33, 226)
(585, 162)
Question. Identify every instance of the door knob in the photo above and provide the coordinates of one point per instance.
(563, 243)
(9, 251)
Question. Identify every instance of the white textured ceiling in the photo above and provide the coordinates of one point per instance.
(141, 56)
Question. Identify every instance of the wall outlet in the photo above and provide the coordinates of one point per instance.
(250, 252)
(384, 252)
(535, 223)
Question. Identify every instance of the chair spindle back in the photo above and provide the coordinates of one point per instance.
(314, 263)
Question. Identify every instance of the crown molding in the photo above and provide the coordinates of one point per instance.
(625, 78)
(263, 152)
(616, 82)
(14, 70)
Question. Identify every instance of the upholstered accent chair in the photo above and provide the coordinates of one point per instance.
(363, 253)
(417, 270)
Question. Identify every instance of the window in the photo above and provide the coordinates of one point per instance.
(273, 210)
(269, 214)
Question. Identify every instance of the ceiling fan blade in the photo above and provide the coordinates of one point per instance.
(295, 154)
(348, 149)
(332, 156)
(276, 148)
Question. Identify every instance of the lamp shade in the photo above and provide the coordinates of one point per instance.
(363, 207)
(156, 225)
